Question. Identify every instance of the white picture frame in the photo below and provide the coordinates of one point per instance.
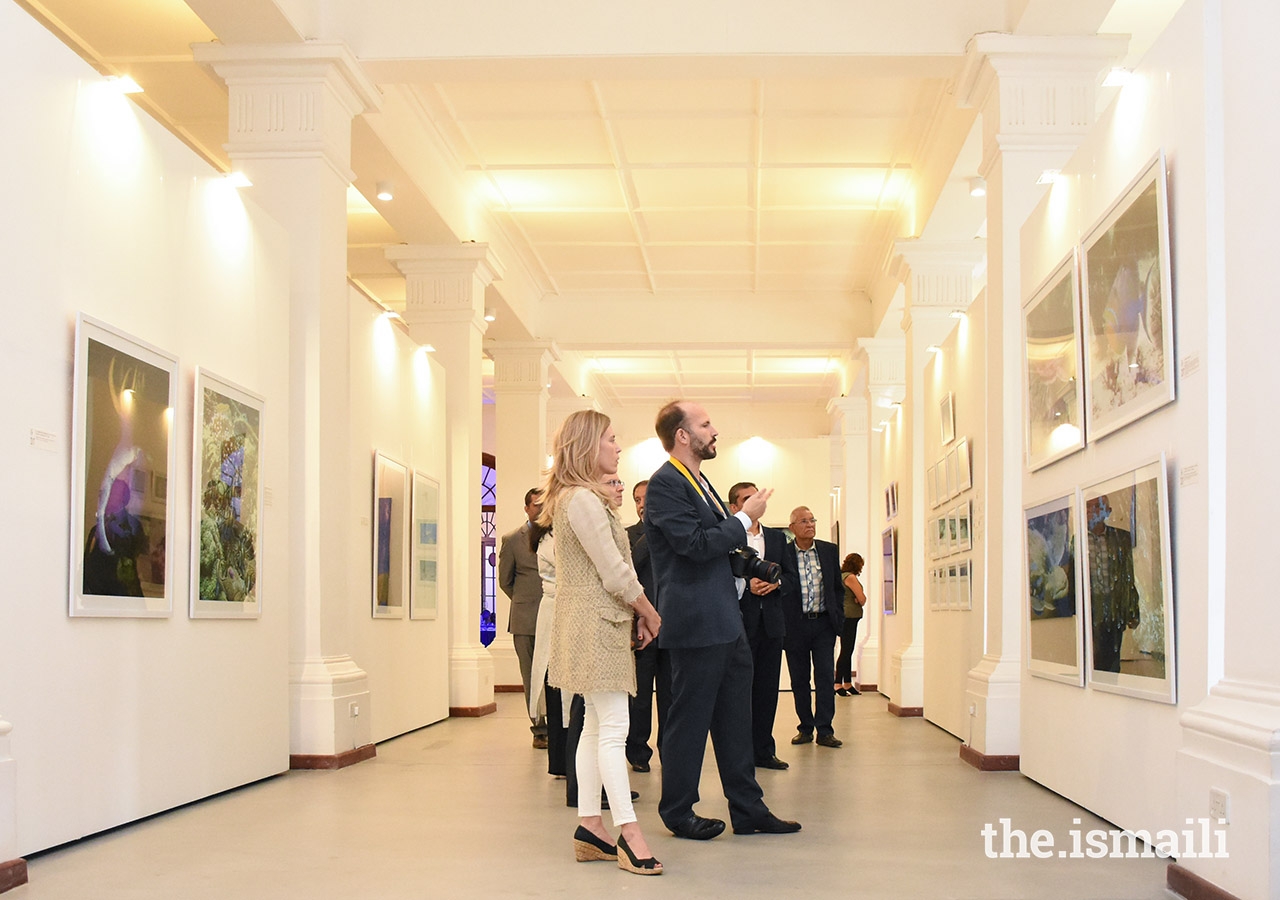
(390, 534)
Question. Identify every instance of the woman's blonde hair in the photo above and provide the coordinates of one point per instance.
(574, 456)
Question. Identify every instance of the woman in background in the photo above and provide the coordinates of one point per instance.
(854, 599)
(597, 598)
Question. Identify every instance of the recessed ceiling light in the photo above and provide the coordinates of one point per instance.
(384, 191)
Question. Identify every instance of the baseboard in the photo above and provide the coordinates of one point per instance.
(905, 712)
(332, 761)
(508, 688)
(474, 712)
(1190, 886)
(12, 874)
(984, 763)
(865, 688)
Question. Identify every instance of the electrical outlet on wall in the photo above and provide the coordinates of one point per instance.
(354, 709)
(1219, 805)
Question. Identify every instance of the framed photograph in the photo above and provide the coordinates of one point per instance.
(889, 571)
(931, 485)
(1054, 629)
(953, 472)
(1128, 582)
(888, 505)
(124, 397)
(953, 585)
(424, 567)
(893, 499)
(940, 542)
(947, 416)
(964, 529)
(953, 530)
(1051, 363)
(226, 500)
(964, 585)
(1128, 307)
(390, 537)
(964, 466)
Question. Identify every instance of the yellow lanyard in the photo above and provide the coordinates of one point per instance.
(706, 495)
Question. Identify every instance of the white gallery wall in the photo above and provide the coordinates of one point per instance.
(108, 214)
(1116, 755)
(398, 409)
(953, 638)
(895, 635)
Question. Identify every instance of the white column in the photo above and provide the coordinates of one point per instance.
(886, 385)
(1037, 98)
(520, 373)
(444, 307)
(1231, 739)
(291, 108)
(13, 871)
(854, 437)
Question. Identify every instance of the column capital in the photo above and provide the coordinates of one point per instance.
(886, 361)
(521, 366)
(851, 413)
(939, 274)
(291, 100)
(444, 283)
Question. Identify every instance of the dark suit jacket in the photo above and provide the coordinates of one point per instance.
(519, 579)
(765, 612)
(689, 547)
(832, 587)
(640, 560)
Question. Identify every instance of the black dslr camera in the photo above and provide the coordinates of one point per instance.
(746, 563)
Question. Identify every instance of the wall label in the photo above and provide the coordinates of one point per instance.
(44, 440)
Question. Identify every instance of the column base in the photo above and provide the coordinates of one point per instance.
(329, 706)
(1229, 744)
(473, 712)
(506, 665)
(984, 763)
(1190, 886)
(905, 712)
(332, 761)
(12, 874)
(471, 680)
(906, 669)
(994, 695)
(868, 662)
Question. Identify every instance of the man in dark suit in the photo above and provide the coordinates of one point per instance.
(763, 621)
(652, 667)
(519, 579)
(691, 534)
(813, 602)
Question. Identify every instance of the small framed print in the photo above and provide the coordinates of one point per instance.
(949, 465)
(964, 585)
(964, 466)
(893, 499)
(888, 505)
(931, 485)
(423, 579)
(940, 542)
(953, 531)
(390, 537)
(947, 416)
(953, 585)
(964, 522)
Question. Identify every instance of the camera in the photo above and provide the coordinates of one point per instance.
(746, 563)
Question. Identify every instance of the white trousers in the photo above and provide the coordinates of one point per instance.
(602, 756)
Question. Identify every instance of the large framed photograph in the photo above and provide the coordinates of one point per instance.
(1054, 629)
(1128, 307)
(1128, 580)
(124, 397)
(1051, 362)
(226, 500)
(947, 418)
(424, 568)
(889, 571)
(390, 537)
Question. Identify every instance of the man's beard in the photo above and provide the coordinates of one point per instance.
(703, 451)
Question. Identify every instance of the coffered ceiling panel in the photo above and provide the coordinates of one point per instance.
(701, 258)
(469, 100)
(591, 257)
(837, 187)
(831, 140)
(870, 96)
(823, 225)
(677, 188)
(537, 142)
(679, 95)
(602, 282)
(806, 257)
(708, 282)
(672, 141)
(557, 189)
(811, 280)
(707, 225)
(563, 227)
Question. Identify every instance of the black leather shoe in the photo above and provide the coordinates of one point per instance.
(770, 824)
(696, 828)
(802, 737)
(639, 766)
(604, 799)
(772, 763)
(829, 740)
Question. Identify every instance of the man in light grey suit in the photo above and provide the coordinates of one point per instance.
(518, 577)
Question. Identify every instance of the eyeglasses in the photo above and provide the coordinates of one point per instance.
(806, 521)
(615, 482)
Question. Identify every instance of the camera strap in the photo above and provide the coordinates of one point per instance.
(708, 495)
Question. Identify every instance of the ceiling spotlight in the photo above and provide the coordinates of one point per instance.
(384, 191)
(238, 179)
(956, 313)
(1118, 77)
(1048, 176)
(427, 348)
(933, 348)
(490, 314)
(124, 84)
(391, 314)
(977, 186)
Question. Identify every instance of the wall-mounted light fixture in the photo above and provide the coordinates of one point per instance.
(977, 186)
(238, 179)
(385, 192)
(490, 314)
(1118, 77)
(1048, 176)
(124, 84)
(957, 313)
(933, 348)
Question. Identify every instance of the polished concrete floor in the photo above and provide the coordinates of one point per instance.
(465, 809)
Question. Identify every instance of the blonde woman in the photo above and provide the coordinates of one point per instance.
(597, 598)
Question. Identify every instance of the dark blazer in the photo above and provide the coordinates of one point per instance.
(640, 559)
(519, 579)
(832, 586)
(766, 612)
(689, 548)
